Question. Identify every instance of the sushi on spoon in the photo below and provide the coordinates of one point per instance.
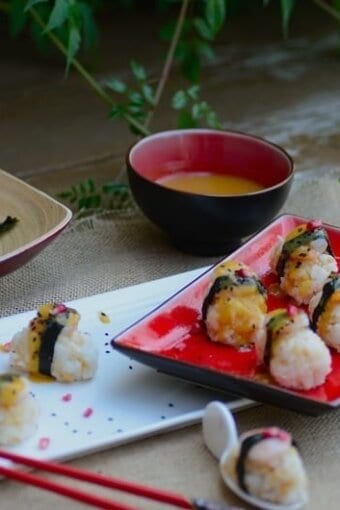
(263, 467)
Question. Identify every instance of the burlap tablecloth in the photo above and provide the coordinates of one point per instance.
(105, 252)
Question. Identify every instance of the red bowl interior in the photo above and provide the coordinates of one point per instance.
(219, 152)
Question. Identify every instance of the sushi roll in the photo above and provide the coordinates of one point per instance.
(296, 356)
(235, 307)
(324, 312)
(52, 345)
(304, 261)
(19, 410)
(267, 465)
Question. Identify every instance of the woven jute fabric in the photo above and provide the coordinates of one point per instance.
(111, 250)
(106, 252)
(103, 252)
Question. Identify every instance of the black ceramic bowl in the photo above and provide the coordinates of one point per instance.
(197, 223)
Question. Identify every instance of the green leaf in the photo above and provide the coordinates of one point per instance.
(336, 5)
(136, 98)
(64, 194)
(114, 187)
(116, 85)
(164, 5)
(191, 67)
(193, 92)
(40, 39)
(199, 110)
(32, 3)
(215, 12)
(179, 100)
(74, 14)
(135, 109)
(96, 201)
(203, 29)
(204, 49)
(286, 12)
(185, 120)
(17, 16)
(138, 70)
(194, 112)
(135, 130)
(212, 120)
(82, 187)
(73, 45)
(82, 203)
(148, 93)
(58, 15)
(117, 112)
(89, 184)
(90, 31)
(167, 31)
(84, 195)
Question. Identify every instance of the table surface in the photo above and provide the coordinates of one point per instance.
(55, 133)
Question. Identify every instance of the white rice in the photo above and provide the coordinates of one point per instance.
(75, 355)
(275, 472)
(320, 245)
(303, 282)
(224, 332)
(19, 421)
(300, 360)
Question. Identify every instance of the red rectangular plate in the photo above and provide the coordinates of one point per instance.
(172, 340)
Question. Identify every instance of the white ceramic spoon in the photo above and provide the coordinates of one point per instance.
(220, 436)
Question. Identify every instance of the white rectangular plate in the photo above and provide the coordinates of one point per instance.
(128, 400)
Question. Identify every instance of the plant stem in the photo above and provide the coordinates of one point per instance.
(328, 8)
(86, 75)
(169, 58)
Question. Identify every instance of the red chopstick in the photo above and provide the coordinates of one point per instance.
(98, 479)
(78, 495)
(87, 476)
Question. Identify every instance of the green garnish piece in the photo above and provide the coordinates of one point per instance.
(276, 321)
(8, 224)
(7, 378)
(273, 326)
(303, 239)
(223, 282)
(328, 290)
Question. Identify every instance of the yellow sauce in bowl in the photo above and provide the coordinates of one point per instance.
(204, 183)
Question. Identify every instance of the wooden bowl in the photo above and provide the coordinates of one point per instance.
(40, 220)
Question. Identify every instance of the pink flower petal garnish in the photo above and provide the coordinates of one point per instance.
(276, 433)
(88, 412)
(43, 443)
(67, 397)
(311, 225)
(60, 308)
(292, 310)
(6, 347)
(243, 272)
